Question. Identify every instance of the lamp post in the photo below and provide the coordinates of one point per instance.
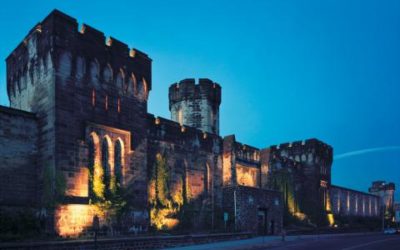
(383, 218)
(96, 226)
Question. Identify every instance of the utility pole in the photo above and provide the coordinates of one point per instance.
(234, 205)
(383, 216)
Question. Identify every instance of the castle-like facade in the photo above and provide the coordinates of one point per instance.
(78, 130)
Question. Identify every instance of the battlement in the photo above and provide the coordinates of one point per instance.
(162, 129)
(60, 24)
(58, 39)
(196, 105)
(302, 144)
(345, 189)
(55, 54)
(243, 152)
(382, 186)
(305, 144)
(247, 153)
(187, 89)
(304, 150)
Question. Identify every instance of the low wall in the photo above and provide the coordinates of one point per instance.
(155, 242)
(18, 157)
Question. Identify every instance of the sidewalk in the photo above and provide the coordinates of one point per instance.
(257, 242)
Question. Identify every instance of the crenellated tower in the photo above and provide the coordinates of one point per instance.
(196, 105)
(310, 164)
(89, 95)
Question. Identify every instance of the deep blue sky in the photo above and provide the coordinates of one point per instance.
(290, 70)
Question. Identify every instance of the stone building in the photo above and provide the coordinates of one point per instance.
(301, 170)
(310, 175)
(396, 208)
(385, 190)
(78, 113)
(78, 132)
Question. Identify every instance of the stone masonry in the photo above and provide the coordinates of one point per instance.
(78, 104)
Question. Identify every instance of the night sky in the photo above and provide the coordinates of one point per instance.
(290, 70)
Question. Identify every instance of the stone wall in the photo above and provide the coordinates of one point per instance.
(312, 161)
(31, 87)
(100, 83)
(241, 163)
(196, 105)
(253, 209)
(19, 157)
(348, 202)
(71, 78)
(193, 159)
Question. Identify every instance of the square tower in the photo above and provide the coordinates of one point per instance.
(86, 92)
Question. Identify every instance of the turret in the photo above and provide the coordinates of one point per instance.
(196, 105)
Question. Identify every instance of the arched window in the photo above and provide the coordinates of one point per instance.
(107, 73)
(91, 160)
(118, 154)
(80, 67)
(131, 88)
(120, 81)
(105, 164)
(94, 73)
(142, 90)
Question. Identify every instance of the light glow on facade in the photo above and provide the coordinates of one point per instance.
(72, 219)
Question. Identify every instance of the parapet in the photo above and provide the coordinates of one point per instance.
(382, 186)
(306, 146)
(354, 191)
(243, 152)
(60, 31)
(162, 129)
(315, 143)
(187, 89)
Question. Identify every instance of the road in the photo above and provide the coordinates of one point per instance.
(370, 242)
(310, 242)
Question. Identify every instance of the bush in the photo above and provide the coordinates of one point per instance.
(18, 225)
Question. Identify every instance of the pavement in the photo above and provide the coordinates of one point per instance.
(358, 241)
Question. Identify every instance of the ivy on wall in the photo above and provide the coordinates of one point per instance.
(110, 201)
(165, 202)
(282, 180)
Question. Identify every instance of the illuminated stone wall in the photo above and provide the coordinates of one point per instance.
(265, 167)
(196, 105)
(247, 175)
(72, 219)
(241, 163)
(71, 78)
(196, 180)
(78, 183)
(310, 163)
(348, 202)
(385, 190)
(194, 158)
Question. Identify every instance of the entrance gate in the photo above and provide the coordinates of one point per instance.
(262, 221)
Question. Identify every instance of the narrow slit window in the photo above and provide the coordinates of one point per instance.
(119, 105)
(106, 102)
(93, 98)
